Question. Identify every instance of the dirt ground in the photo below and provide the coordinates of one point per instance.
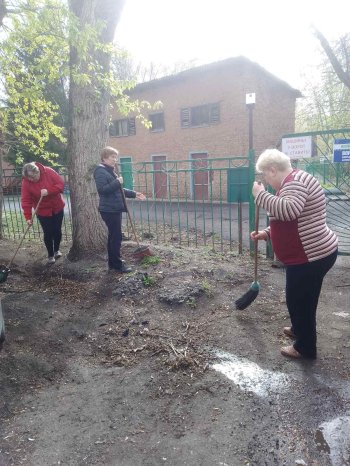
(157, 367)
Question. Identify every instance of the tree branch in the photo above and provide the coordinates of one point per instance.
(340, 72)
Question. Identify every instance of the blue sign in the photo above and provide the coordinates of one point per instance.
(341, 150)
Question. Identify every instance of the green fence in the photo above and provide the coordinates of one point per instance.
(193, 202)
(202, 201)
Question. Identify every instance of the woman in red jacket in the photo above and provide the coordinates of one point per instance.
(39, 181)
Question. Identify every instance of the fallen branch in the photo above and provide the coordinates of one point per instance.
(176, 352)
(136, 350)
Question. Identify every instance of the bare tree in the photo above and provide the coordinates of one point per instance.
(341, 70)
(89, 122)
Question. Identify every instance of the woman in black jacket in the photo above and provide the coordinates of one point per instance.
(111, 205)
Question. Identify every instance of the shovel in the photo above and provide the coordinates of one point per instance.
(6, 269)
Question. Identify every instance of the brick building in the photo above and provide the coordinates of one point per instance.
(204, 115)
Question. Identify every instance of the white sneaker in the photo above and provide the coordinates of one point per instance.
(51, 260)
(58, 254)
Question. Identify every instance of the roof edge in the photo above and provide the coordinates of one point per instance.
(239, 60)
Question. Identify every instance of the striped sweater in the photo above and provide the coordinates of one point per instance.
(298, 228)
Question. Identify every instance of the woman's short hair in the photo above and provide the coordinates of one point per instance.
(272, 158)
(30, 169)
(107, 151)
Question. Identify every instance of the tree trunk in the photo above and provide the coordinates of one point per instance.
(2, 11)
(1, 184)
(89, 123)
(343, 74)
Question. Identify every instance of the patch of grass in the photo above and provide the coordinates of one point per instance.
(207, 288)
(192, 302)
(150, 260)
(148, 280)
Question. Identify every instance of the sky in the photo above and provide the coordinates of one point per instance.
(274, 33)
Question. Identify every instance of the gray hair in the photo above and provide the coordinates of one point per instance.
(30, 169)
(273, 158)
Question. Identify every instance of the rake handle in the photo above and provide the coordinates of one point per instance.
(25, 232)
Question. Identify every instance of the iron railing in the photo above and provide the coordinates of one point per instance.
(189, 202)
(200, 201)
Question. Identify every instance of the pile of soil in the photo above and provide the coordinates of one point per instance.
(100, 368)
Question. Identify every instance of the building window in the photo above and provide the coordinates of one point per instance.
(157, 120)
(125, 127)
(202, 115)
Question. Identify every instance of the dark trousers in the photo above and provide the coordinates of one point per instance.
(113, 220)
(303, 288)
(52, 228)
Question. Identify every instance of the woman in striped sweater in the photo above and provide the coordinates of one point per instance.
(301, 240)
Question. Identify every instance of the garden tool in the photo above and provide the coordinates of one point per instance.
(142, 250)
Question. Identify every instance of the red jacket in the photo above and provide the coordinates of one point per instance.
(30, 194)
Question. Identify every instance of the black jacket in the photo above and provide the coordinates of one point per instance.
(108, 188)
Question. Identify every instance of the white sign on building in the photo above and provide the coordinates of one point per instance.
(297, 147)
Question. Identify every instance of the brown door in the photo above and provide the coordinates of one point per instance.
(160, 176)
(200, 175)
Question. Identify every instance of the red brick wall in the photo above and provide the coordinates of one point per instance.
(273, 115)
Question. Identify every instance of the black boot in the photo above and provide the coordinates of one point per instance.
(125, 268)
